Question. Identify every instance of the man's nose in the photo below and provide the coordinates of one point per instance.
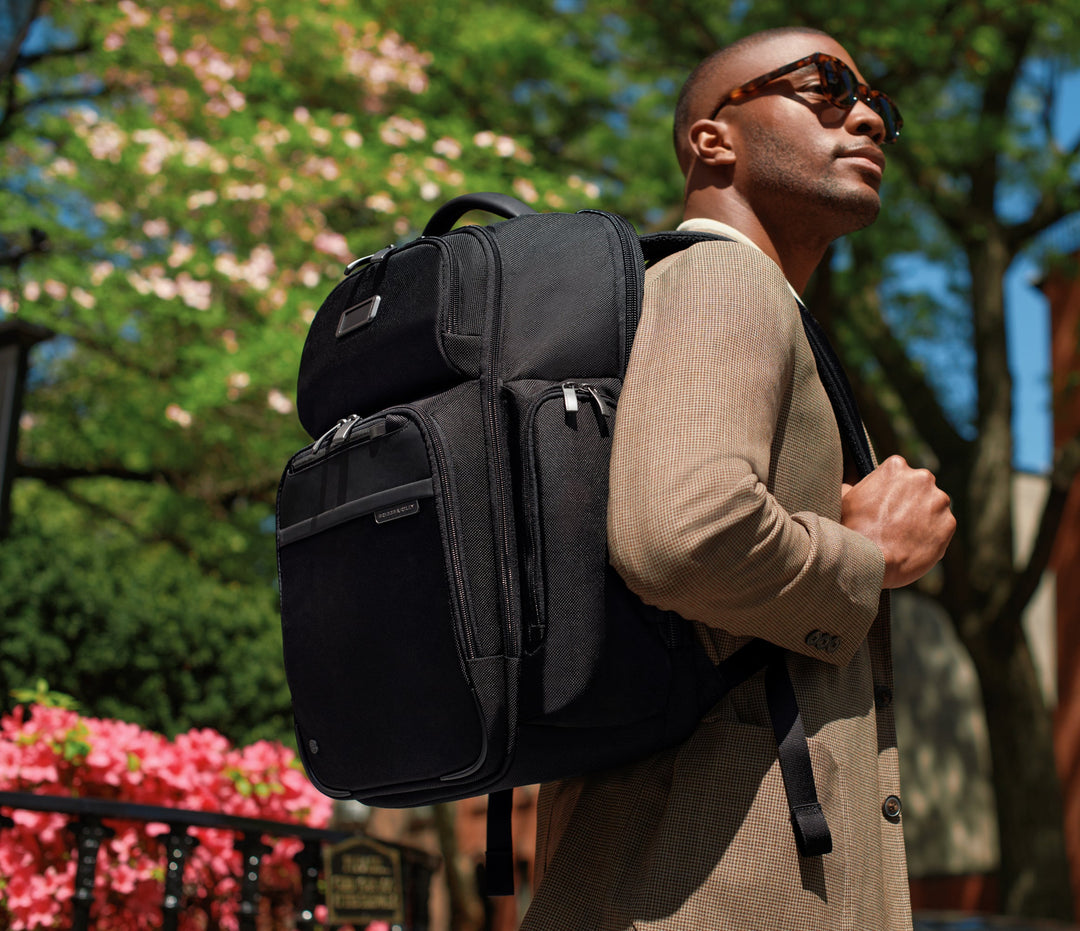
(864, 120)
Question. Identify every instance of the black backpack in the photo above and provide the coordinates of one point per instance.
(451, 624)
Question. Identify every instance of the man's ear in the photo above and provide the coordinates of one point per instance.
(710, 141)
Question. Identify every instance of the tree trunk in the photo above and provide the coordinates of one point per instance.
(1034, 874)
(982, 575)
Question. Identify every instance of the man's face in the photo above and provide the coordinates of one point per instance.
(800, 159)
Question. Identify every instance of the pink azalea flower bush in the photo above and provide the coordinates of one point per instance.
(55, 751)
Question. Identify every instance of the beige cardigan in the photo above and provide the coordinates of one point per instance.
(725, 501)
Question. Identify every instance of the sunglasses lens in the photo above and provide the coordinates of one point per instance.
(839, 83)
(889, 114)
(843, 90)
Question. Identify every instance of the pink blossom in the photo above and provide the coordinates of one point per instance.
(54, 751)
(178, 415)
(279, 402)
(332, 244)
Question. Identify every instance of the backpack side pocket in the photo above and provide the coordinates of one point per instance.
(587, 665)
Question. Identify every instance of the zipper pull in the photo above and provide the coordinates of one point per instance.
(343, 429)
(324, 443)
(357, 264)
(569, 393)
(604, 410)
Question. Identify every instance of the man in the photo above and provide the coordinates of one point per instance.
(732, 503)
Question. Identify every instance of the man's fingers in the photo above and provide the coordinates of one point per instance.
(902, 510)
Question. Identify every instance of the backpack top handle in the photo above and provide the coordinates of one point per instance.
(502, 205)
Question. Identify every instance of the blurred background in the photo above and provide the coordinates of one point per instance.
(182, 183)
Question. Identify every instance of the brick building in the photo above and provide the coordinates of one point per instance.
(1062, 289)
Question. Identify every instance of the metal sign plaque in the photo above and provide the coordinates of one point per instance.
(363, 882)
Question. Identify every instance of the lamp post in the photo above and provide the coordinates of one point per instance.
(17, 337)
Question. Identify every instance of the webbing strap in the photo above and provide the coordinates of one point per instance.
(840, 394)
(499, 859)
(812, 835)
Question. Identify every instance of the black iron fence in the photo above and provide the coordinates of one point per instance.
(89, 831)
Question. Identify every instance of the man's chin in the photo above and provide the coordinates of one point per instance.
(861, 207)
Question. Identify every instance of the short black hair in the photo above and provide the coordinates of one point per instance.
(689, 106)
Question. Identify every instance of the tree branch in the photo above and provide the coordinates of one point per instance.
(58, 97)
(910, 386)
(1023, 584)
(952, 209)
(1053, 205)
(11, 105)
(221, 495)
(59, 476)
(12, 58)
(178, 543)
(13, 258)
(1047, 115)
(28, 61)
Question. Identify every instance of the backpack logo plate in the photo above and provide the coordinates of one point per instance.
(352, 318)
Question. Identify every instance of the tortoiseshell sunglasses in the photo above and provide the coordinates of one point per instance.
(840, 86)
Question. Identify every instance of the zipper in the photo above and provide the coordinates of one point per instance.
(454, 301)
(453, 298)
(357, 264)
(633, 264)
(536, 626)
(572, 393)
(499, 480)
(431, 430)
(339, 433)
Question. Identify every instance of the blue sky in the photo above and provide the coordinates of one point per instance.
(1027, 323)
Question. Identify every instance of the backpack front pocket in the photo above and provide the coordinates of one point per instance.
(366, 542)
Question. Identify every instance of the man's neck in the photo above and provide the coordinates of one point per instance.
(708, 225)
(796, 257)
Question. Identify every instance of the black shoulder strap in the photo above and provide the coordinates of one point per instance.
(840, 394)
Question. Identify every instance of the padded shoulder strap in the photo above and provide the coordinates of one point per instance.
(840, 394)
(657, 246)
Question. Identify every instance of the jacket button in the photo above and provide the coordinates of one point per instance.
(891, 809)
(883, 696)
(821, 640)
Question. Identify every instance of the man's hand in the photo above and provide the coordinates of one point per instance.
(902, 510)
